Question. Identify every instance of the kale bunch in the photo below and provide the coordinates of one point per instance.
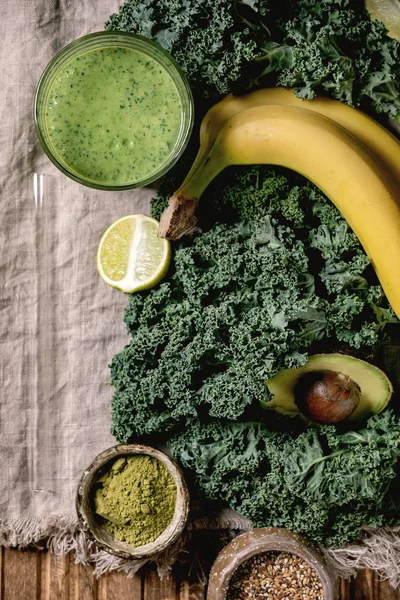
(316, 46)
(275, 274)
(208, 39)
(332, 47)
(243, 300)
(321, 483)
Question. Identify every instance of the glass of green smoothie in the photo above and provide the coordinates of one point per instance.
(113, 111)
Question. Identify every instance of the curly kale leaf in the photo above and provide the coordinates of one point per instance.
(321, 483)
(207, 38)
(324, 46)
(209, 337)
(332, 47)
(241, 301)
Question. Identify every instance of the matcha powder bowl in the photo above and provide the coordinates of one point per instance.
(113, 111)
(133, 501)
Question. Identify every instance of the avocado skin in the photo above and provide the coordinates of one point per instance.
(376, 388)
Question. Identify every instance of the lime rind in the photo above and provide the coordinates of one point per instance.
(140, 260)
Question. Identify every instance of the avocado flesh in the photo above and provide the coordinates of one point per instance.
(376, 389)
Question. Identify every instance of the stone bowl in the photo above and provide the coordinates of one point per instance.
(94, 526)
(266, 539)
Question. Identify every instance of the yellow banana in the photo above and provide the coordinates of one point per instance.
(372, 134)
(361, 187)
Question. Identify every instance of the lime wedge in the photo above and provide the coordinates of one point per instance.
(131, 256)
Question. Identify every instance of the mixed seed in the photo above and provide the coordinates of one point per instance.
(275, 576)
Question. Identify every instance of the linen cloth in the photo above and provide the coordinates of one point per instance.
(58, 335)
(85, 315)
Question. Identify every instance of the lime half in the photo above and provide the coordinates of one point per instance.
(131, 256)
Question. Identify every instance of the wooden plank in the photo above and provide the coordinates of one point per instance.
(184, 590)
(82, 582)
(55, 577)
(368, 586)
(364, 586)
(21, 575)
(2, 574)
(191, 591)
(45, 576)
(344, 589)
(196, 591)
(151, 585)
(168, 589)
(117, 586)
(30, 575)
(385, 591)
(158, 589)
(59, 581)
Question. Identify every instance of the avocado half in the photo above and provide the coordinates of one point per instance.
(376, 388)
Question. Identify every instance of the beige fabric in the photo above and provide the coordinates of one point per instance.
(85, 315)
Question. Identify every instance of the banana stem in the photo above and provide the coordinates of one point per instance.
(178, 218)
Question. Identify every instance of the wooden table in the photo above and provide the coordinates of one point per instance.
(34, 575)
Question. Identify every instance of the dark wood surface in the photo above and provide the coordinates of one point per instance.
(34, 575)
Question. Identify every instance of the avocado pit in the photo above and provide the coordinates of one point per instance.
(376, 388)
(326, 396)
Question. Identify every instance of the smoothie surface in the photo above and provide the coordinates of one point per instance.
(113, 116)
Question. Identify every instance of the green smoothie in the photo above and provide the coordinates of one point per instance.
(113, 116)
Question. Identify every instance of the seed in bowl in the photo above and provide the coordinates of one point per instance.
(136, 497)
(275, 576)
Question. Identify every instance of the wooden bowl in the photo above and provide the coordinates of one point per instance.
(266, 539)
(95, 527)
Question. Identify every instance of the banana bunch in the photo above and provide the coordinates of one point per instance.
(349, 156)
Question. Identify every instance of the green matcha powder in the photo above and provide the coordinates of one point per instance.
(137, 498)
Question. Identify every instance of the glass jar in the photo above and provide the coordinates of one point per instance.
(57, 129)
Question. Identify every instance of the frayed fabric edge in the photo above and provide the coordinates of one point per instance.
(62, 536)
(378, 549)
